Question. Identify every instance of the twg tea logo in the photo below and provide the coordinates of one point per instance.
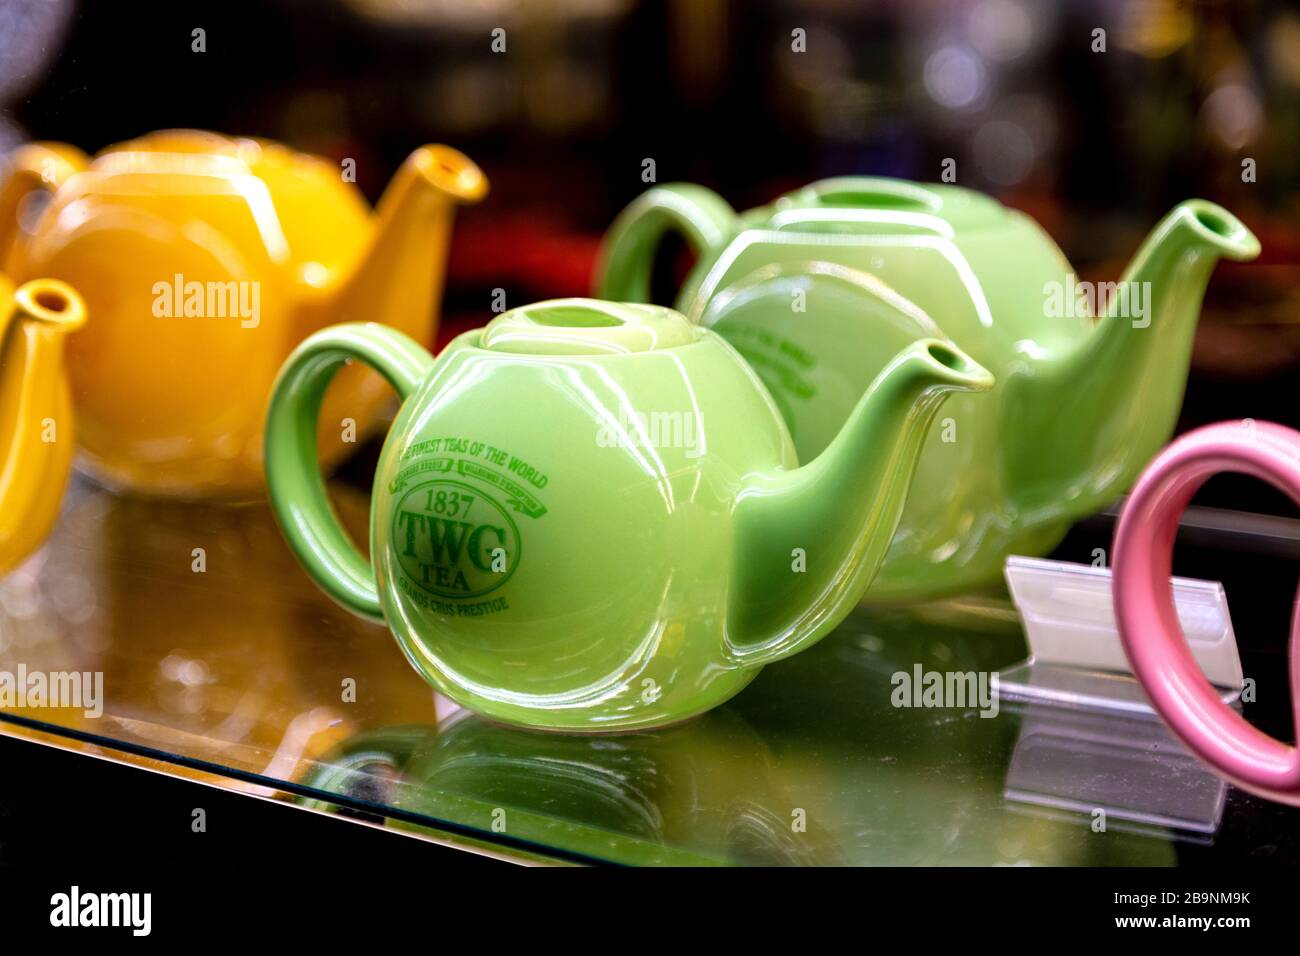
(453, 540)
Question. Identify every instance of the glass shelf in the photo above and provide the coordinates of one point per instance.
(241, 672)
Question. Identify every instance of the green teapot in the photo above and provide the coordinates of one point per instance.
(590, 516)
(820, 290)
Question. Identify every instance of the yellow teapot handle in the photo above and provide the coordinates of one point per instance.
(31, 168)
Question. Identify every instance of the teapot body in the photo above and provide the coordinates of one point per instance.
(558, 555)
(589, 516)
(870, 284)
(204, 260)
(820, 289)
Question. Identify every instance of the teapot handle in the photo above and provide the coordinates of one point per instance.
(700, 215)
(293, 476)
(32, 167)
(1144, 611)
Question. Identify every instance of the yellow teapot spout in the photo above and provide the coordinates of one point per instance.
(396, 280)
(36, 427)
(403, 266)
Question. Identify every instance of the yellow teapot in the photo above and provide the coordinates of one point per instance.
(204, 260)
(36, 431)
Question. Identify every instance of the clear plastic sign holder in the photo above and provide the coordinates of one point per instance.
(1075, 655)
(1090, 743)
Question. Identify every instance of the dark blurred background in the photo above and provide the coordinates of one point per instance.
(1096, 145)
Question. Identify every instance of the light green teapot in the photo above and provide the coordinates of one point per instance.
(821, 289)
(590, 516)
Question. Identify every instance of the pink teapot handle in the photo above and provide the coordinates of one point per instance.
(1144, 610)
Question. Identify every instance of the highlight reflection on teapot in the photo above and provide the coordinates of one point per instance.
(1079, 407)
(204, 260)
(539, 573)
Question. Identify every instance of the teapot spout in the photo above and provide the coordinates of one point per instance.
(809, 541)
(36, 428)
(398, 279)
(1107, 407)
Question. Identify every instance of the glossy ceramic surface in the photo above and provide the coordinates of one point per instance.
(37, 431)
(204, 261)
(819, 290)
(589, 516)
(1144, 611)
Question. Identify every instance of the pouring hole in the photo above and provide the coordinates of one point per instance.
(51, 300)
(946, 357)
(1214, 222)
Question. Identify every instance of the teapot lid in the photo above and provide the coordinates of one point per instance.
(587, 327)
(881, 200)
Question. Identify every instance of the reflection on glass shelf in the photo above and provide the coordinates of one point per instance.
(1080, 687)
(701, 792)
(217, 652)
(1111, 770)
(194, 614)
